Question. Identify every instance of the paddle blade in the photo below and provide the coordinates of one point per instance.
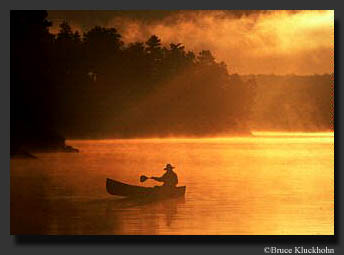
(143, 178)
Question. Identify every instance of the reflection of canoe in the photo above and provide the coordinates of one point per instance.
(132, 191)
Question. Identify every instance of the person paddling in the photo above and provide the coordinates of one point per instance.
(170, 178)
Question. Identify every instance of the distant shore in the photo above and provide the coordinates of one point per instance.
(26, 146)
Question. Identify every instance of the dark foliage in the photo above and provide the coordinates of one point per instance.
(96, 86)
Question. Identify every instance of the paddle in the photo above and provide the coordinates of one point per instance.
(143, 178)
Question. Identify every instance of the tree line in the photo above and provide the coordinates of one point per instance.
(95, 85)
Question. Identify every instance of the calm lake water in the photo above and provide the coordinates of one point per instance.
(272, 184)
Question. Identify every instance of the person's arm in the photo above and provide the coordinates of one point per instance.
(159, 179)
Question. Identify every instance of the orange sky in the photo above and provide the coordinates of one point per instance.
(279, 42)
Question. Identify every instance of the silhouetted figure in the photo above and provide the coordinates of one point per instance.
(169, 178)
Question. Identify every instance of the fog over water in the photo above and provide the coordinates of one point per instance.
(267, 185)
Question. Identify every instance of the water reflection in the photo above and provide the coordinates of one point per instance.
(157, 211)
(236, 186)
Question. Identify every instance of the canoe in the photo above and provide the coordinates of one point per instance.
(125, 190)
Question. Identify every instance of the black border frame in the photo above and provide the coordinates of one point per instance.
(132, 244)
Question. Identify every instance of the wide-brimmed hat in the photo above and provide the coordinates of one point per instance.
(168, 166)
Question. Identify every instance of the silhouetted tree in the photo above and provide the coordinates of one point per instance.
(102, 46)
(206, 58)
(96, 85)
(65, 31)
(31, 67)
(154, 44)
